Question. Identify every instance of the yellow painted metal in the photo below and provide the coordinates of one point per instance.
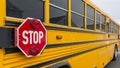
(47, 15)
(14, 19)
(2, 23)
(119, 45)
(2, 12)
(69, 13)
(68, 37)
(95, 57)
(1, 57)
(47, 55)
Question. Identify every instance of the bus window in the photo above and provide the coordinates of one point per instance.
(103, 23)
(78, 13)
(112, 27)
(60, 3)
(107, 26)
(25, 8)
(77, 21)
(58, 12)
(78, 6)
(90, 17)
(97, 20)
(117, 29)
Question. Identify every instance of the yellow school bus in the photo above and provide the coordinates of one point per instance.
(79, 34)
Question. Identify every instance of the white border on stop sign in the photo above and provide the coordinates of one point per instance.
(18, 37)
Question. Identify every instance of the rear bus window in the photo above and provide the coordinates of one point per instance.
(25, 8)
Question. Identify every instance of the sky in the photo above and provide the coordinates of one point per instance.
(111, 7)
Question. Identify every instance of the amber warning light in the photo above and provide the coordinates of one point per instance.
(31, 37)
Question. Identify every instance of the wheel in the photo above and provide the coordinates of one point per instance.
(115, 54)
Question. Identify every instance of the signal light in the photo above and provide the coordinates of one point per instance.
(34, 50)
(34, 24)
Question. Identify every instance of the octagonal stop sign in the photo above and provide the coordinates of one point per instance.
(31, 37)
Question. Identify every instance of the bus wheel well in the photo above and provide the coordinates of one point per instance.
(64, 66)
(61, 65)
(115, 55)
(116, 46)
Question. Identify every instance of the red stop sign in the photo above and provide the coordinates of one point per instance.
(31, 37)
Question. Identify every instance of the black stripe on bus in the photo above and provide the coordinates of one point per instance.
(71, 30)
(9, 23)
(13, 50)
(68, 56)
(74, 43)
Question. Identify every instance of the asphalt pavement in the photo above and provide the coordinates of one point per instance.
(114, 64)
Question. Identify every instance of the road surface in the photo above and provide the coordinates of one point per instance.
(114, 64)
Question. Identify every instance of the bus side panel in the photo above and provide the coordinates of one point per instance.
(1, 57)
(2, 12)
(94, 59)
(106, 55)
(87, 60)
(119, 45)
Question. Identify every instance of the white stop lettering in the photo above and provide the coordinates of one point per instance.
(31, 37)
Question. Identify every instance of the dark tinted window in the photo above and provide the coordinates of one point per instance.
(78, 6)
(90, 17)
(112, 27)
(61, 3)
(78, 13)
(103, 23)
(90, 24)
(58, 16)
(77, 21)
(117, 29)
(25, 8)
(90, 12)
(98, 20)
(108, 26)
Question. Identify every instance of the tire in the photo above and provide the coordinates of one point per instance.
(115, 56)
